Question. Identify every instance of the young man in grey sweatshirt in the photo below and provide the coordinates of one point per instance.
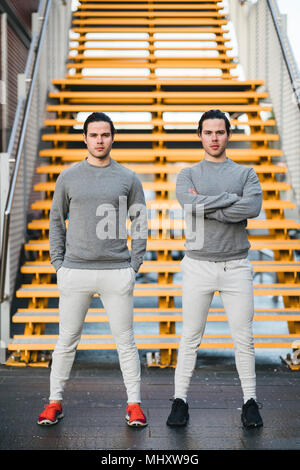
(91, 256)
(218, 196)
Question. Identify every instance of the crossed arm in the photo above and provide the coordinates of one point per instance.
(190, 200)
(225, 207)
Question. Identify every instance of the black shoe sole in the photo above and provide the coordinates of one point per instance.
(252, 425)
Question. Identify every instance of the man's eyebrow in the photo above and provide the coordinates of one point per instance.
(103, 133)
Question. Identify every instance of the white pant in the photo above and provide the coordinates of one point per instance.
(234, 280)
(77, 287)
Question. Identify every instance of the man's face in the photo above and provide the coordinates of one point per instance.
(214, 139)
(99, 139)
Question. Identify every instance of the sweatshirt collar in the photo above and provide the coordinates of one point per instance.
(96, 166)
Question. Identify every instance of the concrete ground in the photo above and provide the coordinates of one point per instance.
(95, 401)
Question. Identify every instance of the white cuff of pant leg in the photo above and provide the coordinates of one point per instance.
(181, 398)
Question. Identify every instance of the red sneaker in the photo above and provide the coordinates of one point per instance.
(51, 414)
(135, 416)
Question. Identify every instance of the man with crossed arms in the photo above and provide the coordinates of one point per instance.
(227, 194)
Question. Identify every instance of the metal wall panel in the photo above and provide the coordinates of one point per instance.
(261, 56)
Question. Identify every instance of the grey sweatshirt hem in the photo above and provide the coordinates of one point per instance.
(217, 256)
(96, 264)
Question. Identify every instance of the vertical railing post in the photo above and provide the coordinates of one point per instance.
(5, 304)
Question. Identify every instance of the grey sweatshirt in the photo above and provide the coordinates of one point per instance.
(227, 195)
(96, 201)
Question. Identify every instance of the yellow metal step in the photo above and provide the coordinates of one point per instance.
(144, 64)
(197, 96)
(152, 57)
(218, 77)
(98, 315)
(153, 5)
(150, 30)
(179, 224)
(170, 155)
(169, 204)
(83, 48)
(39, 267)
(224, 84)
(140, 21)
(83, 15)
(151, 39)
(170, 186)
(37, 291)
(241, 109)
(170, 245)
(106, 342)
(84, 3)
(155, 169)
(159, 122)
(160, 137)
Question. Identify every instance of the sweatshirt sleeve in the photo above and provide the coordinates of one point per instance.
(57, 228)
(247, 207)
(199, 202)
(139, 224)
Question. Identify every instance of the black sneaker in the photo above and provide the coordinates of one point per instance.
(250, 415)
(179, 415)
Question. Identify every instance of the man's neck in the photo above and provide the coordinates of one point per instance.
(98, 161)
(220, 159)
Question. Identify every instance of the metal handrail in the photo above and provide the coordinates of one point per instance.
(285, 56)
(12, 186)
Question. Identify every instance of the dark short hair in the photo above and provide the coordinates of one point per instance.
(214, 114)
(95, 117)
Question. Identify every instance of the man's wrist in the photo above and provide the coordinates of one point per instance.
(135, 265)
(57, 264)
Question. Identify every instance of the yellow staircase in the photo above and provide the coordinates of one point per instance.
(156, 38)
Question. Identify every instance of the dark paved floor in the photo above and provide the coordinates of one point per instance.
(94, 408)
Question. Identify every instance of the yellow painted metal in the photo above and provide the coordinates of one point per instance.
(245, 103)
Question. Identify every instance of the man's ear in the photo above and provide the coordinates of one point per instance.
(84, 138)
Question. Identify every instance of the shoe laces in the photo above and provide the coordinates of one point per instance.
(55, 406)
(177, 403)
(135, 412)
(50, 409)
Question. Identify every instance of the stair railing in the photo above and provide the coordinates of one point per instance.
(46, 60)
